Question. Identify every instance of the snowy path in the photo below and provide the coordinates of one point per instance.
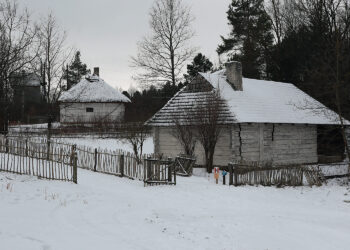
(106, 212)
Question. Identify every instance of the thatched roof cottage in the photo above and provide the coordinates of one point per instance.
(266, 121)
(92, 100)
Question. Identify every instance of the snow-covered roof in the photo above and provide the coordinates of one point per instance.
(260, 102)
(93, 89)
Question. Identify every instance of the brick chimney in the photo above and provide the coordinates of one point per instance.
(96, 71)
(234, 75)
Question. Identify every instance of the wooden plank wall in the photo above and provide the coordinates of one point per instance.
(279, 143)
(167, 144)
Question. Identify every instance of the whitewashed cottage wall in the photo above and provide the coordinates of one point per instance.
(279, 143)
(76, 112)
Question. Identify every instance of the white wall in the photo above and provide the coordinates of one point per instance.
(76, 112)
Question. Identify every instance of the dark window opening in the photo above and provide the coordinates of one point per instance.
(89, 110)
(330, 144)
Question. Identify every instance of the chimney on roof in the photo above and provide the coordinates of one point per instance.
(234, 75)
(96, 71)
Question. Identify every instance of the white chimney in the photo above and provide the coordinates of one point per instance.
(234, 75)
(97, 71)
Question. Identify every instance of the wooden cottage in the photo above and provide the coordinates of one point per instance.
(266, 121)
(92, 100)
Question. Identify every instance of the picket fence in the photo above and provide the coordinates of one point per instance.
(113, 162)
(32, 158)
(257, 174)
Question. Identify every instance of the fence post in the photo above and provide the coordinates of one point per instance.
(230, 169)
(170, 166)
(121, 163)
(144, 169)
(235, 175)
(149, 169)
(6, 144)
(75, 168)
(26, 147)
(95, 165)
(174, 174)
(48, 150)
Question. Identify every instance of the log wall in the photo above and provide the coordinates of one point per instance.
(278, 143)
(167, 144)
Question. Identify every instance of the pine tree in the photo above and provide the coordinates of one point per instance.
(250, 38)
(76, 70)
(200, 63)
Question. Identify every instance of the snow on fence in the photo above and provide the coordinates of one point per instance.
(42, 160)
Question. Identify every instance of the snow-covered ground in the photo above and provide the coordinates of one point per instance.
(108, 143)
(107, 212)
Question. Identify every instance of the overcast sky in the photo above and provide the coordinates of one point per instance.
(106, 31)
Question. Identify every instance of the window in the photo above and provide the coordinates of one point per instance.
(89, 110)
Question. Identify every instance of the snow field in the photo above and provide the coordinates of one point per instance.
(107, 212)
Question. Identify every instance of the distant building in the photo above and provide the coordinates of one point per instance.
(92, 100)
(265, 121)
(28, 98)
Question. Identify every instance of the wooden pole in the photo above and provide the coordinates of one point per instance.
(7, 144)
(149, 169)
(174, 168)
(121, 164)
(170, 168)
(95, 165)
(75, 169)
(26, 147)
(230, 169)
(48, 150)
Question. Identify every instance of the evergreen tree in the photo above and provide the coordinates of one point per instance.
(200, 63)
(250, 38)
(76, 70)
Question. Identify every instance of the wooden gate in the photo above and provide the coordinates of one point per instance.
(184, 165)
(159, 172)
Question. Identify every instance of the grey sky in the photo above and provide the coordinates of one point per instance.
(106, 31)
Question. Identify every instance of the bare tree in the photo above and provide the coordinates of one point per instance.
(185, 132)
(17, 40)
(52, 57)
(334, 61)
(210, 116)
(136, 135)
(275, 9)
(163, 54)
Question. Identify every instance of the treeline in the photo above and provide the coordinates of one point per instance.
(304, 42)
(144, 104)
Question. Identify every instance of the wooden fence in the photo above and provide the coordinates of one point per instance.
(26, 157)
(125, 164)
(293, 175)
(158, 172)
(118, 162)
